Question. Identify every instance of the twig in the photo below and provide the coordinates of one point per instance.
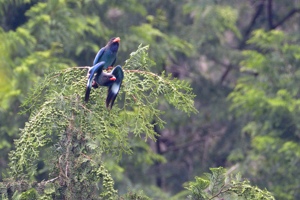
(270, 14)
(86, 108)
(288, 16)
(220, 192)
(224, 75)
(242, 44)
(251, 25)
(231, 169)
(51, 180)
(82, 67)
(60, 167)
(88, 157)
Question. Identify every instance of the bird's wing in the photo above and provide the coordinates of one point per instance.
(98, 55)
(96, 68)
(113, 63)
(113, 90)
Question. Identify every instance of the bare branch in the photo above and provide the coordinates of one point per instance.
(51, 180)
(270, 14)
(258, 12)
(224, 75)
(287, 17)
(259, 9)
(82, 67)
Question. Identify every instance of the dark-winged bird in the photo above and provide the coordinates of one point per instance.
(108, 54)
(112, 80)
(100, 74)
(115, 86)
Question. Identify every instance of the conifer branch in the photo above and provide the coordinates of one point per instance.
(220, 192)
(79, 131)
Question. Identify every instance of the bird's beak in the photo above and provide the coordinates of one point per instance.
(117, 39)
(112, 79)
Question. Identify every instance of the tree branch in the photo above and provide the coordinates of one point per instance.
(287, 17)
(51, 180)
(258, 12)
(270, 14)
(220, 192)
(82, 67)
(225, 74)
(259, 9)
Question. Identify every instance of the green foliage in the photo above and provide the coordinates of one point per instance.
(176, 92)
(218, 184)
(76, 135)
(212, 23)
(135, 196)
(168, 46)
(201, 41)
(60, 22)
(29, 194)
(225, 18)
(271, 104)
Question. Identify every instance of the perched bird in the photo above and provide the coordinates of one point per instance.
(112, 80)
(99, 69)
(108, 54)
(114, 86)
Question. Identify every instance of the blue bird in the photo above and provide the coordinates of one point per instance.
(108, 54)
(91, 83)
(114, 86)
(112, 80)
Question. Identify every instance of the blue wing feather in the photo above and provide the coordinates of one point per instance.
(95, 69)
(98, 55)
(114, 89)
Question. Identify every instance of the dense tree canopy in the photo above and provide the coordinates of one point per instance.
(241, 59)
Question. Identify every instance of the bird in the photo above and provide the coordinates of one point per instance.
(108, 54)
(114, 86)
(91, 83)
(112, 80)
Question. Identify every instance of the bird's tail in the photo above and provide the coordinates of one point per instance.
(115, 87)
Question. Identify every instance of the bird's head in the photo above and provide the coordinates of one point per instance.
(113, 78)
(106, 79)
(114, 43)
(116, 39)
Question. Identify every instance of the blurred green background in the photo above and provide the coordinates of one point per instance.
(242, 59)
